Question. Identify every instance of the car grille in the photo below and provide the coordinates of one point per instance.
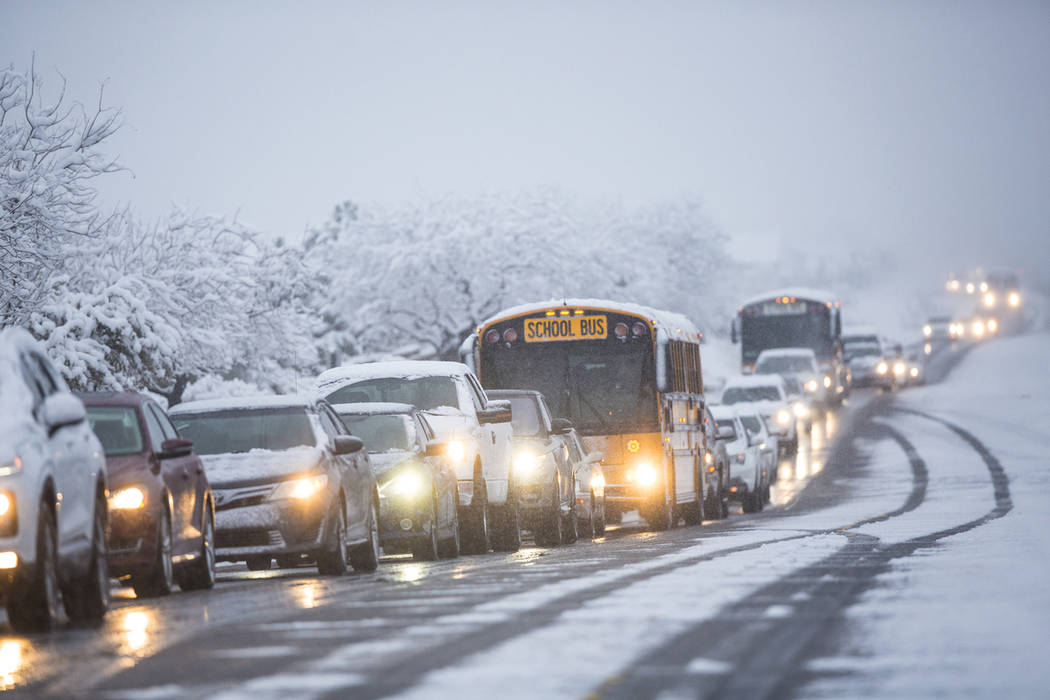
(248, 537)
(242, 497)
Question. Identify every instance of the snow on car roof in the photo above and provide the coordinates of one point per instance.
(401, 369)
(722, 411)
(754, 380)
(808, 293)
(243, 402)
(787, 352)
(377, 408)
(674, 324)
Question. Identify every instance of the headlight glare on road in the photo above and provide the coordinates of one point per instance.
(131, 498)
(526, 462)
(302, 488)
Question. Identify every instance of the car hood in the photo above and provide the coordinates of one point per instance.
(120, 467)
(259, 466)
(383, 462)
(766, 408)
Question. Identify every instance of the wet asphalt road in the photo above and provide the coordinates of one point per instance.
(291, 632)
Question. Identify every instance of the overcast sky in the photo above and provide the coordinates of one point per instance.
(925, 125)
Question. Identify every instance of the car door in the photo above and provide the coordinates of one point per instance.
(177, 480)
(497, 436)
(351, 470)
(187, 483)
(442, 470)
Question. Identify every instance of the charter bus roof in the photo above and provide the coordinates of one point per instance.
(809, 294)
(674, 324)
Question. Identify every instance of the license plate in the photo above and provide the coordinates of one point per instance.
(559, 328)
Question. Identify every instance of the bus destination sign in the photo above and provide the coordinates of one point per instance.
(555, 329)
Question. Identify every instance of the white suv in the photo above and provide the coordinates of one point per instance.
(476, 431)
(53, 509)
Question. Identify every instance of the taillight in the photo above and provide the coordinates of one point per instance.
(492, 337)
(620, 330)
(639, 329)
(510, 335)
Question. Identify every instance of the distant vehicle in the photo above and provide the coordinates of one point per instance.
(766, 394)
(629, 379)
(802, 379)
(418, 496)
(795, 318)
(289, 481)
(938, 328)
(475, 429)
(868, 358)
(590, 486)
(719, 469)
(53, 509)
(747, 483)
(162, 514)
(915, 370)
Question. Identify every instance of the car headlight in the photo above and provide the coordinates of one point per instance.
(992, 325)
(456, 451)
(597, 480)
(927, 330)
(978, 328)
(989, 300)
(526, 462)
(827, 381)
(898, 368)
(927, 348)
(131, 498)
(407, 484)
(783, 417)
(301, 488)
(811, 385)
(6, 501)
(914, 372)
(643, 474)
(1014, 299)
(882, 368)
(800, 409)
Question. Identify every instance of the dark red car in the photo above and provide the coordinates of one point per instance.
(162, 516)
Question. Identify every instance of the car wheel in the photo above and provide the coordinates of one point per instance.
(199, 574)
(449, 548)
(749, 503)
(589, 530)
(571, 528)
(33, 605)
(365, 557)
(259, 563)
(660, 517)
(160, 579)
(599, 527)
(427, 549)
(474, 524)
(331, 558)
(88, 597)
(506, 534)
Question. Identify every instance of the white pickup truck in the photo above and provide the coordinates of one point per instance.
(476, 432)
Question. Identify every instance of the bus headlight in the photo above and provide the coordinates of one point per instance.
(882, 368)
(131, 498)
(927, 330)
(526, 462)
(643, 474)
(1014, 299)
(300, 489)
(914, 372)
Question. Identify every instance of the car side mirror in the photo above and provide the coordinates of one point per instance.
(495, 412)
(560, 426)
(435, 449)
(346, 444)
(726, 432)
(175, 447)
(60, 410)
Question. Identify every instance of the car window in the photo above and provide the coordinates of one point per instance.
(574, 448)
(165, 425)
(243, 430)
(156, 433)
(545, 415)
(117, 428)
(525, 416)
(752, 423)
(477, 394)
(330, 424)
(32, 380)
(382, 433)
(47, 374)
(425, 393)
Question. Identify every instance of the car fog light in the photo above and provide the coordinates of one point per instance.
(8, 560)
(131, 498)
(5, 503)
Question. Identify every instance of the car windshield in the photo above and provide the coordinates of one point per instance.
(117, 428)
(784, 364)
(865, 349)
(743, 394)
(525, 415)
(752, 424)
(242, 430)
(380, 433)
(425, 393)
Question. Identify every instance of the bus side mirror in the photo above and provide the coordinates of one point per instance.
(734, 333)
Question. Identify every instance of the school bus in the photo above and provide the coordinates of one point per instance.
(628, 377)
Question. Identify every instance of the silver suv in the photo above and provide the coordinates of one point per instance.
(53, 509)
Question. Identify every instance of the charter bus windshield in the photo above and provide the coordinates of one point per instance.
(795, 318)
(628, 378)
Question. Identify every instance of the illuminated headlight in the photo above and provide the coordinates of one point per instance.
(783, 417)
(899, 368)
(301, 489)
(914, 372)
(927, 348)
(597, 480)
(989, 300)
(984, 287)
(882, 368)
(8, 560)
(708, 457)
(1014, 299)
(992, 325)
(6, 501)
(643, 474)
(970, 288)
(978, 328)
(526, 462)
(827, 381)
(407, 484)
(130, 498)
(927, 330)
(800, 409)
(456, 451)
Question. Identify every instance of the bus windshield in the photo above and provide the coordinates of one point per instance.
(603, 387)
(761, 329)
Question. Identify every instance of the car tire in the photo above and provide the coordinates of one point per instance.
(199, 574)
(159, 580)
(331, 558)
(660, 517)
(365, 556)
(427, 549)
(474, 523)
(751, 502)
(589, 530)
(549, 531)
(33, 605)
(449, 547)
(87, 598)
(506, 535)
(259, 563)
(571, 528)
(599, 516)
(289, 561)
